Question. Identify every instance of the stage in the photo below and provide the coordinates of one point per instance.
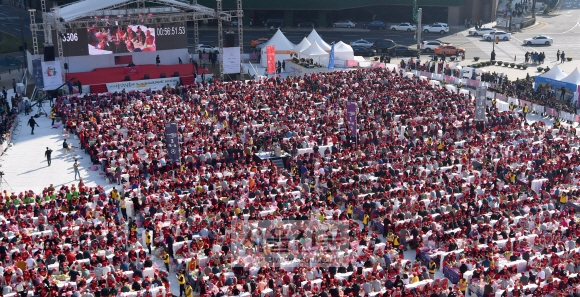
(100, 76)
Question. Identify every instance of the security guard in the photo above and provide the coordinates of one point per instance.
(557, 124)
(148, 240)
(493, 102)
(512, 106)
(166, 260)
(188, 291)
(181, 282)
(441, 145)
(349, 211)
(123, 209)
(526, 110)
(432, 268)
(366, 220)
(462, 285)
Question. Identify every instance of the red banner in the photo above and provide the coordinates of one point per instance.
(352, 63)
(377, 65)
(271, 59)
(500, 96)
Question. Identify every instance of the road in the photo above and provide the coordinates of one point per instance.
(563, 25)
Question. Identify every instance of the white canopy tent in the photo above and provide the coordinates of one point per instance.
(313, 36)
(304, 44)
(573, 78)
(555, 73)
(343, 51)
(314, 52)
(282, 45)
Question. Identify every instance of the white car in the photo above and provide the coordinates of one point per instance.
(501, 35)
(206, 48)
(540, 39)
(344, 24)
(404, 27)
(436, 28)
(481, 31)
(430, 45)
(362, 43)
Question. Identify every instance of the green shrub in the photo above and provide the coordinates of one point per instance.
(476, 59)
(540, 69)
(506, 63)
(499, 63)
(524, 67)
(569, 59)
(512, 64)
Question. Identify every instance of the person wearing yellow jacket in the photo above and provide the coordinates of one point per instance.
(396, 241)
(462, 285)
(52, 116)
(166, 260)
(181, 282)
(366, 220)
(188, 291)
(432, 266)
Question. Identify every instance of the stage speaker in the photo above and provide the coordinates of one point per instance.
(146, 76)
(163, 75)
(229, 40)
(127, 78)
(65, 66)
(176, 74)
(49, 53)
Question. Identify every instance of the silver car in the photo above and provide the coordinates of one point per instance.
(344, 24)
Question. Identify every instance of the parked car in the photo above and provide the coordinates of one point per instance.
(403, 51)
(382, 45)
(404, 27)
(481, 31)
(431, 45)
(449, 50)
(206, 48)
(276, 23)
(540, 39)
(361, 43)
(260, 40)
(363, 51)
(344, 24)
(378, 25)
(305, 24)
(436, 28)
(499, 34)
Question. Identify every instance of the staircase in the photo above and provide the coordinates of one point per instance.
(96, 89)
(278, 162)
(187, 80)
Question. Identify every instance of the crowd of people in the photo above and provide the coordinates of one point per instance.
(420, 190)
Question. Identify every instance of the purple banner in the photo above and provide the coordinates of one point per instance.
(473, 83)
(449, 79)
(550, 111)
(351, 118)
(526, 103)
(577, 118)
(500, 96)
(172, 141)
(426, 74)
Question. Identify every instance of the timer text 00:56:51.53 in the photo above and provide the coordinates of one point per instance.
(170, 31)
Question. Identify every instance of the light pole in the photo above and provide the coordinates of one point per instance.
(23, 46)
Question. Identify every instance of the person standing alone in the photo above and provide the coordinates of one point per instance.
(32, 123)
(47, 154)
(157, 61)
(76, 169)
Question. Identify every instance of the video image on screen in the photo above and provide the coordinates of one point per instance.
(121, 39)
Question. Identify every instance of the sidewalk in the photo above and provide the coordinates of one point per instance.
(6, 79)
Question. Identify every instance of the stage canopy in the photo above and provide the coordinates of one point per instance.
(313, 36)
(282, 45)
(573, 79)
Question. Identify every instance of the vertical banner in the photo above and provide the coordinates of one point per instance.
(480, 102)
(271, 59)
(331, 58)
(172, 142)
(51, 75)
(37, 73)
(231, 60)
(351, 118)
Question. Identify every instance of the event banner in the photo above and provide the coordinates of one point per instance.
(271, 59)
(526, 103)
(231, 60)
(153, 84)
(480, 102)
(51, 75)
(37, 73)
(172, 141)
(550, 111)
(351, 118)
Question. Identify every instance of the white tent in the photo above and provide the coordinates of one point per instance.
(304, 44)
(573, 78)
(314, 52)
(282, 45)
(343, 51)
(555, 73)
(313, 36)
